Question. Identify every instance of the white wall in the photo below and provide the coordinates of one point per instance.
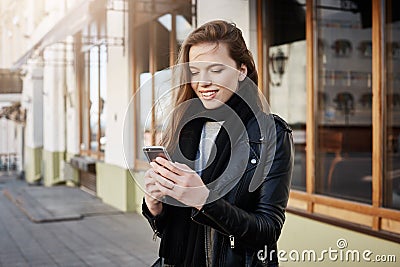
(236, 11)
(72, 103)
(53, 99)
(8, 140)
(8, 129)
(32, 101)
(6, 99)
(23, 24)
(118, 97)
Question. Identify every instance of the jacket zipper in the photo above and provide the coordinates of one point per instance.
(207, 244)
(231, 237)
(232, 241)
(154, 227)
(155, 235)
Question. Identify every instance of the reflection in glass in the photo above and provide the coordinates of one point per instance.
(103, 96)
(84, 114)
(285, 35)
(392, 174)
(94, 96)
(344, 101)
(97, 84)
(147, 101)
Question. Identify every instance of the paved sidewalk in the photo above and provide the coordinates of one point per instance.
(85, 232)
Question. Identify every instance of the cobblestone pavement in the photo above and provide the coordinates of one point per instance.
(99, 239)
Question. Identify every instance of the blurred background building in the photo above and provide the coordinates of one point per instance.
(69, 69)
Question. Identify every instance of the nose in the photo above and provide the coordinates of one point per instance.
(204, 83)
(204, 80)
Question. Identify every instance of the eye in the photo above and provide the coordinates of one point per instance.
(194, 73)
(216, 71)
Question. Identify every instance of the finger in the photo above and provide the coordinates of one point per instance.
(170, 166)
(165, 182)
(152, 188)
(166, 191)
(155, 170)
(166, 173)
(147, 174)
(153, 173)
(149, 177)
(149, 182)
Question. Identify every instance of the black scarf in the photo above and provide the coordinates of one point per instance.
(183, 240)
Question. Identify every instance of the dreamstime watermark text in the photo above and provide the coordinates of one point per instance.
(340, 253)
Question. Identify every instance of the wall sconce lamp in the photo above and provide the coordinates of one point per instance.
(278, 64)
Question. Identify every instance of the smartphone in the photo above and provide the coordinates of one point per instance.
(152, 152)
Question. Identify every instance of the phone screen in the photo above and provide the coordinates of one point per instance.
(152, 152)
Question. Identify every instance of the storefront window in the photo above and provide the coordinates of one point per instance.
(344, 99)
(157, 53)
(103, 96)
(93, 94)
(84, 95)
(392, 47)
(285, 36)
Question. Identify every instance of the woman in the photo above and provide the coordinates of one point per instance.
(221, 201)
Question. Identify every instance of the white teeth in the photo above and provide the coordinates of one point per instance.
(208, 94)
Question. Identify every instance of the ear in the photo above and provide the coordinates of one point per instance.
(243, 72)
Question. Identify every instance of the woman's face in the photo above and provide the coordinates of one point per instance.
(214, 74)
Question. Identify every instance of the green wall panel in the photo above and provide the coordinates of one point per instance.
(33, 162)
(51, 161)
(116, 187)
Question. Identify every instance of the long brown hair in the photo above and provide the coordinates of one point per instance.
(217, 31)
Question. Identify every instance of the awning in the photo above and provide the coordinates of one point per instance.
(77, 17)
(286, 21)
(148, 10)
(10, 82)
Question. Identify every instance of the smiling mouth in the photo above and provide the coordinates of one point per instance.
(208, 94)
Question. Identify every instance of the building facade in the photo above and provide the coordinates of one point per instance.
(90, 71)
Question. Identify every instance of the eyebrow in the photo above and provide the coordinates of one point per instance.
(210, 66)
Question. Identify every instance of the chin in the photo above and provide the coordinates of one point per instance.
(211, 104)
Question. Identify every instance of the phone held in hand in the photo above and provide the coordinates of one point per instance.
(152, 152)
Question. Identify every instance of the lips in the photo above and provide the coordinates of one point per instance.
(209, 94)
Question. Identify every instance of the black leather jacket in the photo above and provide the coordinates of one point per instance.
(249, 222)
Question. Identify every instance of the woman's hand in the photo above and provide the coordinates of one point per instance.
(179, 182)
(153, 194)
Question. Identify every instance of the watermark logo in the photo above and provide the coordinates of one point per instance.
(341, 243)
(340, 253)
